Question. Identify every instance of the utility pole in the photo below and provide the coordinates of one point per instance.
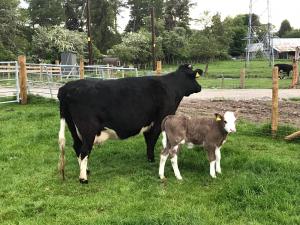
(89, 31)
(153, 39)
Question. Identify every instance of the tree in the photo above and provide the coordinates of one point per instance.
(46, 13)
(177, 13)
(49, 43)
(12, 37)
(139, 10)
(136, 48)
(103, 24)
(174, 44)
(285, 27)
(295, 33)
(75, 14)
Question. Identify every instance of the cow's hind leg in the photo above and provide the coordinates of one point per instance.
(85, 151)
(151, 137)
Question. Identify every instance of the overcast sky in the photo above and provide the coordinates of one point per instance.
(279, 10)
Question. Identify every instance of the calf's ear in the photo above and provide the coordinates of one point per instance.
(218, 117)
(237, 113)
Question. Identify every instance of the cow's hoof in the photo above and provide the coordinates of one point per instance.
(151, 160)
(82, 181)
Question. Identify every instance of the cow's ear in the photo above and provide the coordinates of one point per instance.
(198, 73)
(219, 117)
(185, 67)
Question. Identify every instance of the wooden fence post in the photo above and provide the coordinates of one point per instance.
(242, 78)
(275, 101)
(295, 73)
(222, 82)
(23, 79)
(158, 67)
(206, 70)
(81, 68)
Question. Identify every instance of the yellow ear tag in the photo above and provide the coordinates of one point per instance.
(197, 75)
(218, 118)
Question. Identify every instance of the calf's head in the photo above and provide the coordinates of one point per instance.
(227, 120)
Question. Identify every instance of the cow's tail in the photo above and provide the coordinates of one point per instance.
(62, 143)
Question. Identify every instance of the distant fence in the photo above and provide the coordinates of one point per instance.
(9, 82)
(45, 79)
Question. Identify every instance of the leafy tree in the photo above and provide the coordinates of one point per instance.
(177, 13)
(136, 48)
(140, 10)
(285, 27)
(49, 43)
(295, 33)
(103, 24)
(46, 13)
(174, 44)
(75, 14)
(12, 36)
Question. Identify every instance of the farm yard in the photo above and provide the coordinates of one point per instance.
(77, 73)
(259, 183)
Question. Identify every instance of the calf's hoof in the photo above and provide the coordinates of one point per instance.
(82, 181)
(179, 177)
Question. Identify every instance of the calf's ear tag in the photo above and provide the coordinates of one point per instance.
(218, 118)
(197, 75)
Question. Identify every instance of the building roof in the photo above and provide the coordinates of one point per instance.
(286, 44)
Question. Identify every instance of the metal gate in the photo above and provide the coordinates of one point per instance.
(9, 82)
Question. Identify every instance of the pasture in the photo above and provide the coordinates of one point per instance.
(258, 74)
(259, 184)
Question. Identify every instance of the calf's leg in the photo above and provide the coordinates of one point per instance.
(163, 158)
(212, 161)
(174, 161)
(218, 159)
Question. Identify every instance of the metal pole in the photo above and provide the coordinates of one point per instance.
(153, 39)
(89, 32)
(249, 35)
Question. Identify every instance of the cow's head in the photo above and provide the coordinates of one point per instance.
(227, 120)
(188, 78)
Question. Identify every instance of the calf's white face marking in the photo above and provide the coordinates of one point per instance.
(229, 119)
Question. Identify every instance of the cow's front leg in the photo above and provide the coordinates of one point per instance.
(218, 159)
(151, 137)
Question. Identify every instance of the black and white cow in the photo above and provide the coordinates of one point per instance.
(96, 110)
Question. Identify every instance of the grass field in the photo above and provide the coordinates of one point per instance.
(258, 74)
(259, 184)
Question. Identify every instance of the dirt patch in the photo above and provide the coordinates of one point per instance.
(252, 110)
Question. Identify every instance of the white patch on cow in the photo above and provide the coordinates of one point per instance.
(190, 145)
(79, 160)
(83, 168)
(78, 134)
(218, 159)
(61, 134)
(146, 128)
(163, 159)
(175, 167)
(105, 135)
(230, 119)
(212, 169)
(164, 139)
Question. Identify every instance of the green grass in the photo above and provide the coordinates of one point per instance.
(258, 74)
(259, 184)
